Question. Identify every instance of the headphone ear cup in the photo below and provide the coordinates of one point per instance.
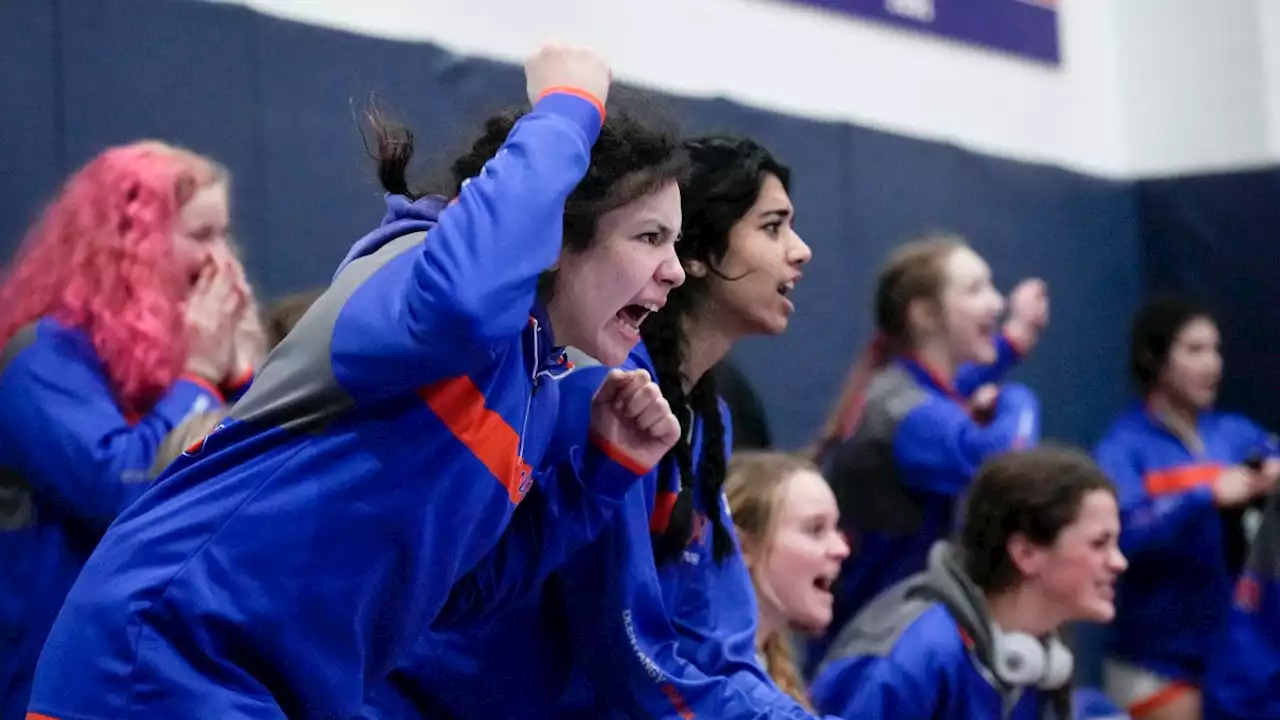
(1019, 658)
(1059, 665)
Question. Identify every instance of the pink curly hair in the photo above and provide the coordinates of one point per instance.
(100, 259)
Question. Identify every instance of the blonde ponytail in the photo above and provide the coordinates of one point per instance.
(780, 666)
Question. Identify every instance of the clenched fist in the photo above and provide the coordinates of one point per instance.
(629, 412)
(1028, 312)
(559, 65)
(982, 403)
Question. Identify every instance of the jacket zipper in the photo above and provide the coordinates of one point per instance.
(528, 405)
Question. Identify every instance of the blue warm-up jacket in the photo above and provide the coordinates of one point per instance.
(1170, 601)
(687, 627)
(1243, 678)
(610, 634)
(900, 478)
(282, 566)
(924, 649)
(70, 461)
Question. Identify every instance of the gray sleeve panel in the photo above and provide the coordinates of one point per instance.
(17, 502)
(24, 338)
(1264, 557)
(875, 631)
(864, 473)
(296, 388)
(891, 396)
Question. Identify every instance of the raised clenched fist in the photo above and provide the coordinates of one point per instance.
(557, 64)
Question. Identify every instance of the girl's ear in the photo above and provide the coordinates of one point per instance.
(924, 315)
(750, 548)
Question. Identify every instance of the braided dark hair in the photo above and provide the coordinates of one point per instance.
(725, 183)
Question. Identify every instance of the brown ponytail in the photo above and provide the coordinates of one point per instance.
(916, 271)
(843, 421)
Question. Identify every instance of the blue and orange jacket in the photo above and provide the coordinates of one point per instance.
(688, 626)
(70, 461)
(899, 479)
(611, 633)
(1172, 598)
(1243, 677)
(283, 564)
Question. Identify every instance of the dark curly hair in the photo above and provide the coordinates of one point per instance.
(629, 160)
(1156, 326)
(727, 174)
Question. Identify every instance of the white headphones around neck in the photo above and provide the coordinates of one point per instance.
(1024, 660)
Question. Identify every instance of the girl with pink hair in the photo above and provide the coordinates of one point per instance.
(124, 312)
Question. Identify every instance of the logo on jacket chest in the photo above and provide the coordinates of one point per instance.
(1248, 594)
(524, 481)
(701, 530)
(698, 540)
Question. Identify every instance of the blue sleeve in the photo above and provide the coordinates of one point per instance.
(1251, 439)
(970, 377)
(939, 447)
(68, 438)
(573, 424)
(625, 641)
(716, 615)
(1093, 704)
(471, 283)
(566, 509)
(716, 620)
(1242, 680)
(874, 687)
(1147, 524)
(726, 421)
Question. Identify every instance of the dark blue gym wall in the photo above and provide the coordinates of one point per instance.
(1217, 237)
(276, 101)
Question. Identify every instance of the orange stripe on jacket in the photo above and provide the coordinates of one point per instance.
(460, 406)
(1161, 698)
(1181, 479)
(673, 696)
(618, 455)
(38, 716)
(577, 92)
(663, 505)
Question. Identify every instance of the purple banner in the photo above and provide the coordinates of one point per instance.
(1028, 28)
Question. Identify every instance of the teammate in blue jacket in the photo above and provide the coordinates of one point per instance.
(118, 319)
(975, 635)
(1185, 479)
(920, 413)
(787, 521)
(1242, 680)
(656, 618)
(278, 569)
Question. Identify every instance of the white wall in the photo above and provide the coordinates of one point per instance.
(1194, 95)
(1269, 39)
(1147, 87)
